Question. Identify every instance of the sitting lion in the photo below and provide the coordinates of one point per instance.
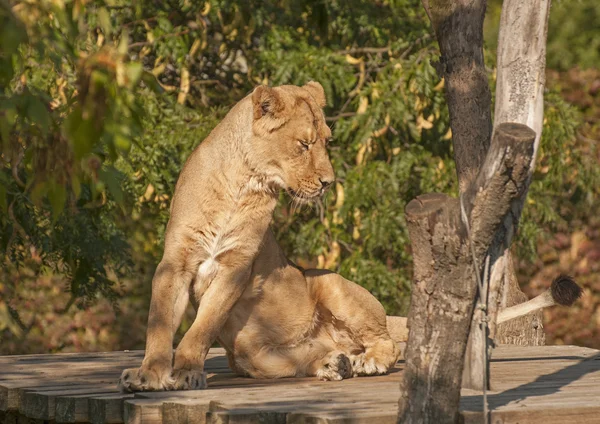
(273, 318)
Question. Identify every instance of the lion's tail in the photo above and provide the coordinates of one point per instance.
(397, 328)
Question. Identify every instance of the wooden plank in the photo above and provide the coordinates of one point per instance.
(185, 412)
(343, 418)
(250, 416)
(75, 408)
(143, 411)
(11, 393)
(41, 404)
(107, 409)
(530, 382)
(557, 415)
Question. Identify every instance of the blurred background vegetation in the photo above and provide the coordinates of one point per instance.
(101, 101)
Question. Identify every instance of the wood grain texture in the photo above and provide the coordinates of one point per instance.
(520, 85)
(546, 384)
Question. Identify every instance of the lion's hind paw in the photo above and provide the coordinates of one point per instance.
(336, 367)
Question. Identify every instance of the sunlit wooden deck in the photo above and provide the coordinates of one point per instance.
(551, 384)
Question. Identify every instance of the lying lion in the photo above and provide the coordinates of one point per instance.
(273, 318)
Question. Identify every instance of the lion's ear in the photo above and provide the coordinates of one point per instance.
(316, 90)
(266, 102)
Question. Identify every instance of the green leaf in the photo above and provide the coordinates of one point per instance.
(76, 185)
(3, 204)
(38, 192)
(104, 20)
(122, 143)
(38, 114)
(124, 42)
(7, 120)
(151, 82)
(11, 35)
(57, 194)
(81, 133)
(112, 178)
(134, 73)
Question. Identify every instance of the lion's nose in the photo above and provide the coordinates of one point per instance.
(325, 183)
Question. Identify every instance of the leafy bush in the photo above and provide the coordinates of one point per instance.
(102, 102)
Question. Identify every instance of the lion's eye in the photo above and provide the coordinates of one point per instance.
(305, 144)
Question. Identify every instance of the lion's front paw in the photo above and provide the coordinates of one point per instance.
(336, 366)
(364, 364)
(145, 380)
(189, 380)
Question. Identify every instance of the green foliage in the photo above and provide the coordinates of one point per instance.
(102, 101)
(572, 33)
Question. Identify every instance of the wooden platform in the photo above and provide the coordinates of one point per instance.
(551, 384)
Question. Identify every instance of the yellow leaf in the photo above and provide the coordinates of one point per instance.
(206, 9)
(361, 154)
(195, 46)
(448, 135)
(353, 60)
(418, 105)
(332, 256)
(339, 196)
(357, 224)
(159, 69)
(320, 261)
(381, 131)
(149, 192)
(149, 35)
(422, 123)
(120, 71)
(439, 85)
(362, 105)
(336, 218)
(184, 87)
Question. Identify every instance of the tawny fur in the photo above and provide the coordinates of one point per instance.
(274, 319)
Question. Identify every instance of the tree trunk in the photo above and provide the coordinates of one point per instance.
(445, 287)
(520, 98)
(458, 26)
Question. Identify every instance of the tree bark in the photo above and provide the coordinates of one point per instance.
(444, 290)
(519, 98)
(458, 26)
(520, 83)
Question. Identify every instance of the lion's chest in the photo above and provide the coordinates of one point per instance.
(230, 238)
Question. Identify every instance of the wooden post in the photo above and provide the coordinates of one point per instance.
(520, 82)
(458, 27)
(519, 98)
(445, 288)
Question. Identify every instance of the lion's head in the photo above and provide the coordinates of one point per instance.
(290, 136)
